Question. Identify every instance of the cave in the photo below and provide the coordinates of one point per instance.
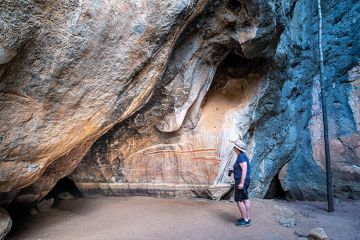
(275, 190)
(65, 188)
(64, 185)
(237, 79)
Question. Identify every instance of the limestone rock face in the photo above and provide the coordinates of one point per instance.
(302, 177)
(141, 97)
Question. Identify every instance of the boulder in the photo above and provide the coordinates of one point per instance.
(286, 221)
(45, 204)
(6, 54)
(33, 211)
(318, 234)
(5, 223)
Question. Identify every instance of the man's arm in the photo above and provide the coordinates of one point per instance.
(243, 166)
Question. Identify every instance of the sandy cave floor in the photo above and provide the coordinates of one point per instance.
(153, 218)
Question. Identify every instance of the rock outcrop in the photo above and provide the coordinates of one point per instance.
(179, 120)
(141, 97)
(81, 67)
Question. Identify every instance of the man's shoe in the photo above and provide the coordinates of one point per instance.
(243, 223)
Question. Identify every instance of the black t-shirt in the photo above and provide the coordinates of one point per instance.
(237, 168)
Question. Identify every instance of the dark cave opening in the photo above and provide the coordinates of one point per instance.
(275, 190)
(235, 65)
(64, 189)
(62, 186)
(237, 68)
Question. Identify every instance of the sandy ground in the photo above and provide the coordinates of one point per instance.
(152, 218)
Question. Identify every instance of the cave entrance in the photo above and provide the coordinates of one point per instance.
(275, 190)
(64, 188)
(235, 67)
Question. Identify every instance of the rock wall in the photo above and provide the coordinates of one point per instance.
(279, 123)
(80, 68)
(192, 108)
(199, 153)
(303, 176)
(141, 97)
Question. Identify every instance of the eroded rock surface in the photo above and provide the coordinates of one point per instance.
(5, 223)
(179, 117)
(81, 67)
(303, 176)
(141, 97)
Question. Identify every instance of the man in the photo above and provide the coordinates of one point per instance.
(242, 181)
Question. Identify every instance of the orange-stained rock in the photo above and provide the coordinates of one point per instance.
(163, 170)
(80, 68)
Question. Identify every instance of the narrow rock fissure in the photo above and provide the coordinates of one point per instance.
(275, 190)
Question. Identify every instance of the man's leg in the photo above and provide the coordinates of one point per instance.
(242, 209)
(247, 206)
(238, 205)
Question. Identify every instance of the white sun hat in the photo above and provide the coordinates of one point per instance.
(239, 145)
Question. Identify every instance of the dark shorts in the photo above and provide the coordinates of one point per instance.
(241, 194)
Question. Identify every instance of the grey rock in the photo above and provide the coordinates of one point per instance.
(64, 196)
(318, 234)
(5, 223)
(296, 142)
(286, 221)
(33, 211)
(45, 204)
(6, 54)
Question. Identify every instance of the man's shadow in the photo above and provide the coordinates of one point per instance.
(228, 217)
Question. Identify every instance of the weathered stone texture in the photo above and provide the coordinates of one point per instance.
(177, 116)
(141, 97)
(5, 223)
(303, 176)
(82, 66)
